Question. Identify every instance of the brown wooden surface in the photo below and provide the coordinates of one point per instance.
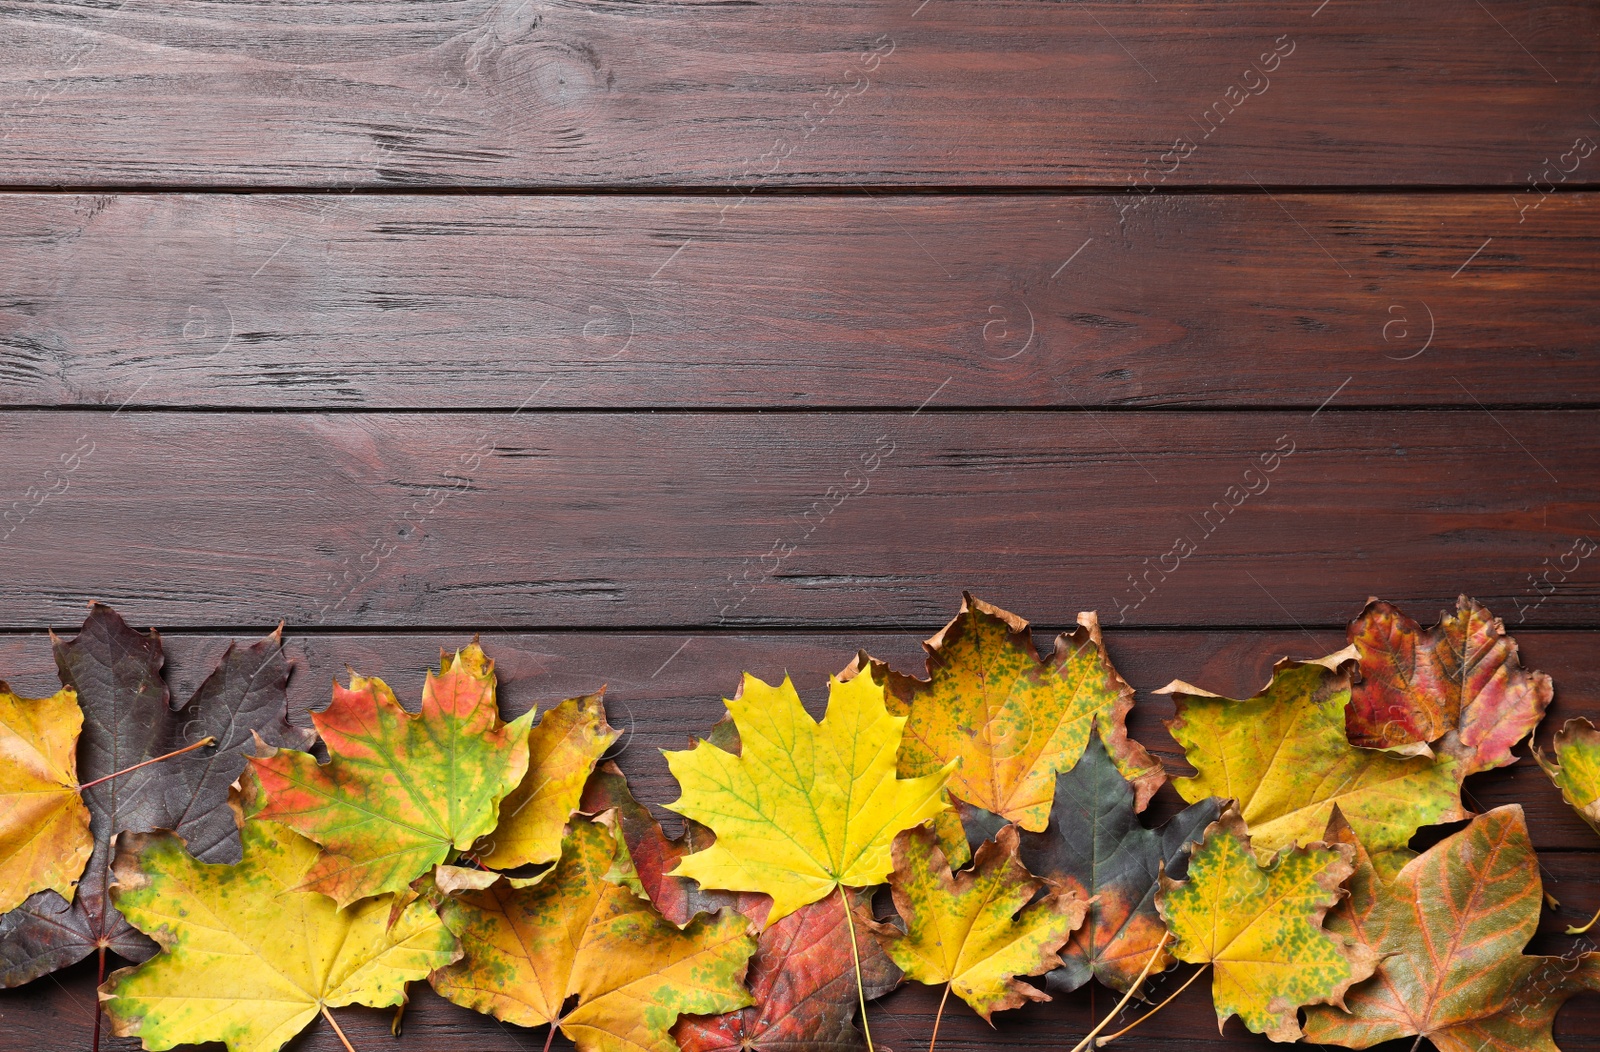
(403, 321)
(478, 302)
(637, 519)
(741, 96)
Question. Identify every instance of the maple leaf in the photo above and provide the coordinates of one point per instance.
(1283, 756)
(1459, 685)
(573, 934)
(803, 980)
(400, 792)
(1260, 927)
(44, 825)
(652, 854)
(804, 807)
(1449, 929)
(248, 958)
(1096, 846)
(978, 929)
(563, 748)
(1575, 768)
(1013, 719)
(128, 720)
(117, 673)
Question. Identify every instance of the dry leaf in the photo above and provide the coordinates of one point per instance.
(1283, 756)
(977, 929)
(1458, 686)
(1012, 719)
(1449, 930)
(577, 951)
(1260, 927)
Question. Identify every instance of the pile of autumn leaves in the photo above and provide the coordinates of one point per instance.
(508, 865)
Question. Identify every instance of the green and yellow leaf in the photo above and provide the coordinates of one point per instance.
(400, 792)
(1260, 928)
(1575, 768)
(977, 929)
(247, 957)
(1284, 757)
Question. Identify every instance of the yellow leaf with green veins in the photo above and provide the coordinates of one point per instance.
(804, 807)
(1012, 719)
(575, 950)
(44, 825)
(563, 748)
(977, 929)
(247, 958)
(1261, 928)
(1284, 757)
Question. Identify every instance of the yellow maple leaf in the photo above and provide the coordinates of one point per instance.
(1284, 757)
(563, 748)
(978, 929)
(1260, 927)
(805, 807)
(247, 958)
(44, 825)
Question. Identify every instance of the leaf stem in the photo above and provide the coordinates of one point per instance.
(155, 759)
(855, 954)
(938, 1016)
(1186, 983)
(551, 1037)
(1579, 931)
(98, 982)
(1155, 955)
(345, 1041)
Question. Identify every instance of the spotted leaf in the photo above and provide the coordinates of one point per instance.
(1260, 927)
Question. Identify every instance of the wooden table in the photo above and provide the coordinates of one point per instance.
(660, 341)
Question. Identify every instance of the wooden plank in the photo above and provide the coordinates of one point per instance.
(474, 302)
(740, 97)
(48, 1015)
(663, 703)
(806, 519)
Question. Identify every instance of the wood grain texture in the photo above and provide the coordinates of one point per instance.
(805, 519)
(48, 1015)
(476, 302)
(724, 235)
(821, 92)
(662, 701)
